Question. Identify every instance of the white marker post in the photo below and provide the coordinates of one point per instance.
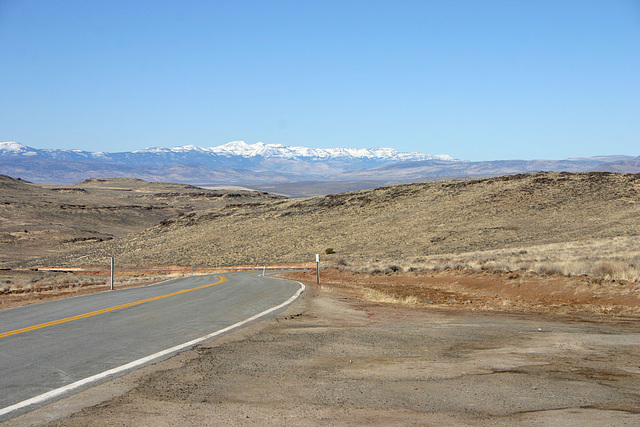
(111, 273)
(317, 269)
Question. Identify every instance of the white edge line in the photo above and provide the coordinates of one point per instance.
(136, 363)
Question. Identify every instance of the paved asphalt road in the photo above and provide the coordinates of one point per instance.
(50, 345)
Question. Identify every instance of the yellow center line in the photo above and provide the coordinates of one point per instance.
(106, 310)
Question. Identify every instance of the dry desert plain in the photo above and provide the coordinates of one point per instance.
(498, 301)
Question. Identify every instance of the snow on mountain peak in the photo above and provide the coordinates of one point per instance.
(16, 148)
(12, 146)
(241, 148)
(179, 149)
(260, 149)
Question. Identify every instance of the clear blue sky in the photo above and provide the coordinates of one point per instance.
(479, 80)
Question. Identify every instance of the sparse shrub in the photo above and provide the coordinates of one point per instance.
(394, 268)
(601, 259)
(342, 262)
(604, 270)
(549, 270)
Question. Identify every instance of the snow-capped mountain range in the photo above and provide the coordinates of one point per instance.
(272, 165)
(236, 162)
(230, 149)
(260, 149)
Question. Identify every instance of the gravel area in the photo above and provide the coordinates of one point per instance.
(332, 359)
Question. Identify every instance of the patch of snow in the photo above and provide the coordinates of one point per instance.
(14, 147)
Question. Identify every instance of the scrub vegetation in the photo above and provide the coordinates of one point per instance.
(520, 227)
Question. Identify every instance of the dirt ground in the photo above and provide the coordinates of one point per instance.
(334, 358)
(517, 292)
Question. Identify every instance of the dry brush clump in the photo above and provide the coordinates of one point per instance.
(375, 295)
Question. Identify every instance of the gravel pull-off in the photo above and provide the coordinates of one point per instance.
(332, 360)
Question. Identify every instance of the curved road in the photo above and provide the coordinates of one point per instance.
(48, 349)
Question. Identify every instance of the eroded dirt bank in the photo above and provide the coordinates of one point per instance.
(331, 359)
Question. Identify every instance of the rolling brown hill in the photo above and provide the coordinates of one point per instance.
(37, 220)
(401, 221)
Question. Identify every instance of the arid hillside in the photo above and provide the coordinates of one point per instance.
(37, 220)
(395, 222)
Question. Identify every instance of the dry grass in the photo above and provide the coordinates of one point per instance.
(404, 222)
(617, 258)
(375, 295)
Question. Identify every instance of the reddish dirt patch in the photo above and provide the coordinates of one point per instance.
(510, 292)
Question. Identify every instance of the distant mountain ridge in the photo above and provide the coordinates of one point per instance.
(260, 149)
(263, 164)
(230, 149)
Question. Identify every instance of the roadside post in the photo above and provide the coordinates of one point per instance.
(317, 269)
(111, 273)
